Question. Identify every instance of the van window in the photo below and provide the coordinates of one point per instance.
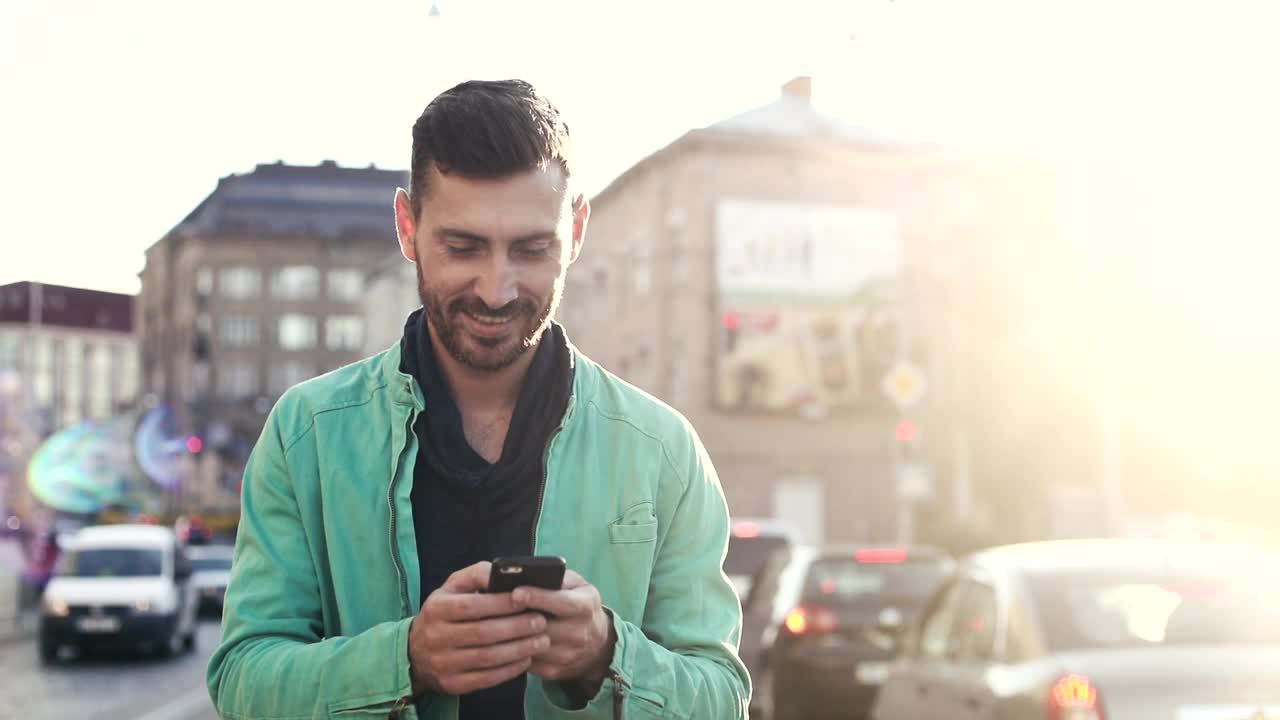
(112, 562)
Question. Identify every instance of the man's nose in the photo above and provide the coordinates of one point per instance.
(497, 286)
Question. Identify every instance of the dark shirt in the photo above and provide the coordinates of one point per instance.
(466, 509)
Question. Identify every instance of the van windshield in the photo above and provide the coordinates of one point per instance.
(112, 562)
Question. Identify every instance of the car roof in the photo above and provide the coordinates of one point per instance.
(845, 550)
(1103, 554)
(763, 527)
(123, 535)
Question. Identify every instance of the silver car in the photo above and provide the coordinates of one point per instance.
(1094, 630)
(212, 565)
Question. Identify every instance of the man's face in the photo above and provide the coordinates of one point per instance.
(491, 257)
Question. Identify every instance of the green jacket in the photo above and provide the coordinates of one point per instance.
(325, 578)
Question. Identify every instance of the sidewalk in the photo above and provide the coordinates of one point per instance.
(12, 628)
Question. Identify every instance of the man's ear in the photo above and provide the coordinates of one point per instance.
(581, 214)
(406, 226)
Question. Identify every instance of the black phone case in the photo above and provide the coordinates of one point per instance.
(543, 571)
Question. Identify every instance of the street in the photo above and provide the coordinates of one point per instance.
(124, 687)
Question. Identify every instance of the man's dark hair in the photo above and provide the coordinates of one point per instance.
(486, 129)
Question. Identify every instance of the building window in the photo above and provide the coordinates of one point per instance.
(287, 374)
(100, 382)
(297, 332)
(345, 285)
(8, 352)
(124, 372)
(204, 282)
(42, 370)
(238, 330)
(343, 332)
(73, 385)
(643, 270)
(295, 282)
(241, 282)
(237, 379)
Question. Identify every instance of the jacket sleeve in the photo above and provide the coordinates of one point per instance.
(274, 661)
(683, 662)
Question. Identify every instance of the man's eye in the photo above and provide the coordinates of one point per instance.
(462, 250)
(534, 251)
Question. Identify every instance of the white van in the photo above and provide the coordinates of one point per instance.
(120, 586)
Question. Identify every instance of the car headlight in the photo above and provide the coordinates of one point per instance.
(151, 606)
(55, 607)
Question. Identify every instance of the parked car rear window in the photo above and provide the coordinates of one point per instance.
(1079, 612)
(112, 562)
(848, 580)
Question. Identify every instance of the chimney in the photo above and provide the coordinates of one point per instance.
(799, 87)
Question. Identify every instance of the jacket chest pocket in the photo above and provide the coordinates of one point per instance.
(637, 525)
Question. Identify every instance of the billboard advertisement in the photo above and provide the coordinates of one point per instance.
(808, 300)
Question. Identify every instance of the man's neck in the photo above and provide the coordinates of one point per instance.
(478, 391)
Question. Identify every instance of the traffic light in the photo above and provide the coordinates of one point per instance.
(906, 431)
(732, 326)
(906, 442)
(195, 444)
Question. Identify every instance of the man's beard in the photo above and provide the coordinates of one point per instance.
(528, 321)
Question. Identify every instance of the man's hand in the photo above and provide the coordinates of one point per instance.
(463, 641)
(581, 633)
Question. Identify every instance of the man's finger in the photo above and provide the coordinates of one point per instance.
(464, 683)
(497, 656)
(464, 607)
(482, 633)
(561, 603)
(474, 578)
(572, 580)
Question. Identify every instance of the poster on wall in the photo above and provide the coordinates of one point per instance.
(809, 303)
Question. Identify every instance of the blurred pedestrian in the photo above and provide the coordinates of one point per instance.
(378, 493)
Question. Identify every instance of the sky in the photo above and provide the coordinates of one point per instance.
(122, 116)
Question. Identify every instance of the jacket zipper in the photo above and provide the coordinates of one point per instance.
(542, 488)
(620, 688)
(403, 702)
(398, 708)
(391, 507)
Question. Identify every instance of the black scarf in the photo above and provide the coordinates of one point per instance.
(465, 509)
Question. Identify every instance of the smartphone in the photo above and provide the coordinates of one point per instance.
(542, 571)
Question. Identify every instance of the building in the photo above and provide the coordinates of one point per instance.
(67, 355)
(256, 290)
(763, 275)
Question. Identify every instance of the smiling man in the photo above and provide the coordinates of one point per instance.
(378, 494)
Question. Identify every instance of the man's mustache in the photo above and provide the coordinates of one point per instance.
(512, 309)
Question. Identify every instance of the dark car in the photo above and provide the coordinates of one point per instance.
(1087, 630)
(751, 542)
(825, 620)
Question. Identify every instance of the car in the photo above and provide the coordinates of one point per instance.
(212, 566)
(751, 541)
(820, 624)
(1096, 629)
(119, 586)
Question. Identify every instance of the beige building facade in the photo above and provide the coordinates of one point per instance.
(260, 288)
(648, 300)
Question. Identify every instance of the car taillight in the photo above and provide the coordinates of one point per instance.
(811, 620)
(1073, 697)
(889, 555)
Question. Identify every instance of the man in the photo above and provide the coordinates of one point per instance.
(378, 493)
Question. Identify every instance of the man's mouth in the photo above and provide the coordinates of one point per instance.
(485, 319)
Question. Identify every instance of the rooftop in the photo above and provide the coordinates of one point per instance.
(325, 200)
(793, 115)
(33, 303)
